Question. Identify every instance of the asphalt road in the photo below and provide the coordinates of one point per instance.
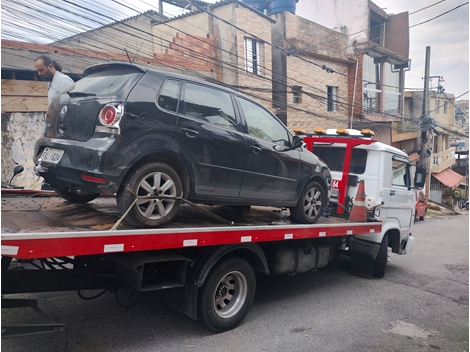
(420, 305)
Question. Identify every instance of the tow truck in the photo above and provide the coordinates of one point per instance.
(205, 261)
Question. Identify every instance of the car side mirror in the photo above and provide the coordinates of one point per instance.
(297, 142)
(420, 176)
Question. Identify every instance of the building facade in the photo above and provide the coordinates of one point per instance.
(380, 44)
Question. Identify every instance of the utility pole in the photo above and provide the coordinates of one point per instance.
(426, 152)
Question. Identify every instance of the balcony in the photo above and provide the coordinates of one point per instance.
(443, 160)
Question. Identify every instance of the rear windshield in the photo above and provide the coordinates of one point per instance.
(334, 158)
(108, 83)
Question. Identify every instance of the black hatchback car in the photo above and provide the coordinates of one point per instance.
(155, 138)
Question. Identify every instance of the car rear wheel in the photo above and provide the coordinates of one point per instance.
(154, 179)
(311, 203)
(74, 197)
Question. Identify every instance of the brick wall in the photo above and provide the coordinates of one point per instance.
(305, 69)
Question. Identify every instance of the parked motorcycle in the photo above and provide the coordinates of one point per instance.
(17, 170)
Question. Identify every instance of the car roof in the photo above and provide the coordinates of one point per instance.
(123, 64)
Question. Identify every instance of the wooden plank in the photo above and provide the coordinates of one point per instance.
(26, 88)
(22, 103)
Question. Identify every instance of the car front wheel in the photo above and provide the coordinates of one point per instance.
(311, 203)
(151, 180)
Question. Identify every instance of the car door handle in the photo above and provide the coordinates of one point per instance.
(189, 132)
(392, 193)
(255, 149)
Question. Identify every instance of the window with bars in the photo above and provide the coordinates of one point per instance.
(253, 56)
(331, 93)
(297, 91)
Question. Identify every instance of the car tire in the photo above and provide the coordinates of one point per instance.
(382, 257)
(227, 294)
(310, 205)
(148, 180)
(74, 197)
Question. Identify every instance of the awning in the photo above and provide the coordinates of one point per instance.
(449, 178)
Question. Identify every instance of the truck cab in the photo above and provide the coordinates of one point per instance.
(390, 187)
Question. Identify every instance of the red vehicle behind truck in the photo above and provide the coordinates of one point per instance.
(205, 270)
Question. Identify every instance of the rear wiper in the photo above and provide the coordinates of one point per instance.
(80, 94)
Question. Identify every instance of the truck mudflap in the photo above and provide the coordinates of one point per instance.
(364, 247)
(363, 255)
(408, 247)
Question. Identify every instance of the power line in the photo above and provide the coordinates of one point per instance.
(347, 101)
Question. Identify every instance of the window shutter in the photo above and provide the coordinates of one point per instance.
(248, 55)
(333, 96)
(260, 57)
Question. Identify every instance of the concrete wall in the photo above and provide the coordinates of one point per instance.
(352, 15)
(23, 114)
(19, 134)
(133, 35)
(258, 86)
(443, 118)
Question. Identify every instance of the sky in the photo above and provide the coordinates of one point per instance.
(447, 36)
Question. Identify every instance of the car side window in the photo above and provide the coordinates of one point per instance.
(401, 175)
(263, 125)
(169, 95)
(209, 104)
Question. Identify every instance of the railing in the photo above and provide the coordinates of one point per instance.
(443, 160)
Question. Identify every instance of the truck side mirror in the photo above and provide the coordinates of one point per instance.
(420, 176)
(297, 142)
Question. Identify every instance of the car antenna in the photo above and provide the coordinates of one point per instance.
(128, 58)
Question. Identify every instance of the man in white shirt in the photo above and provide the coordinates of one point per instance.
(49, 70)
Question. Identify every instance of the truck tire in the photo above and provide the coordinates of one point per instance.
(74, 197)
(226, 297)
(382, 257)
(149, 180)
(311, 203)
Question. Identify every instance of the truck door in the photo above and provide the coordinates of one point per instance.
(398, 196)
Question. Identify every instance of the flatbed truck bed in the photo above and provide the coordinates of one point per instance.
(205, 262)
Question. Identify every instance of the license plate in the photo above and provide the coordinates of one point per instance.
(52, 155)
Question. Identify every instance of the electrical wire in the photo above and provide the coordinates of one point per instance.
(315, 96)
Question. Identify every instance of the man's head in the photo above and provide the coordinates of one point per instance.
(46, 67)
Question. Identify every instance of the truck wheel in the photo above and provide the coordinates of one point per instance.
(381, 261)
(154, 179)
(311, 203)
(227, 294)
(74, 197)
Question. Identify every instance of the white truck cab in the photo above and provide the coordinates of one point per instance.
(389, 187)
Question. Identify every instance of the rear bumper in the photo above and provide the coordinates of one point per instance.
(410, 244)
(94, 158)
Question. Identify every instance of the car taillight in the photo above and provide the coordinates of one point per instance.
(110, 115)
